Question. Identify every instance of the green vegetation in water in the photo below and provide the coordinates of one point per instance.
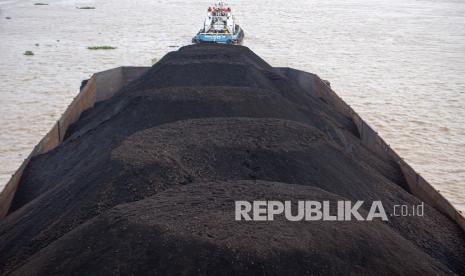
(86, 8)
(28, 53)
(40, 4)
(101, 47)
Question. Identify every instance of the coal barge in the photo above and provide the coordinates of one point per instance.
(140, 175)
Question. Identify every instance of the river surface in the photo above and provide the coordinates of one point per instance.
(399, 63)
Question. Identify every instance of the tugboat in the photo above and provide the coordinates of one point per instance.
(220, 27)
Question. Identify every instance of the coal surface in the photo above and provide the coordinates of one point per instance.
(145, 183)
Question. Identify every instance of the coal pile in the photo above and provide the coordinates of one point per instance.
(145, 183)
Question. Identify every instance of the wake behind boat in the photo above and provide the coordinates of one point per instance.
(220, 27)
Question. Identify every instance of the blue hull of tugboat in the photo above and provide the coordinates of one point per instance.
(236, 38)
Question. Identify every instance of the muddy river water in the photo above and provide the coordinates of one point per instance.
(399, 63)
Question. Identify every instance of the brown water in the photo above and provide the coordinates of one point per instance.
(399, 63)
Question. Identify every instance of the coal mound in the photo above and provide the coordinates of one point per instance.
(145, 183)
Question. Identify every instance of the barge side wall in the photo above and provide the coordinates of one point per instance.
(104, 85)
(99, 87)
(417, 184)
